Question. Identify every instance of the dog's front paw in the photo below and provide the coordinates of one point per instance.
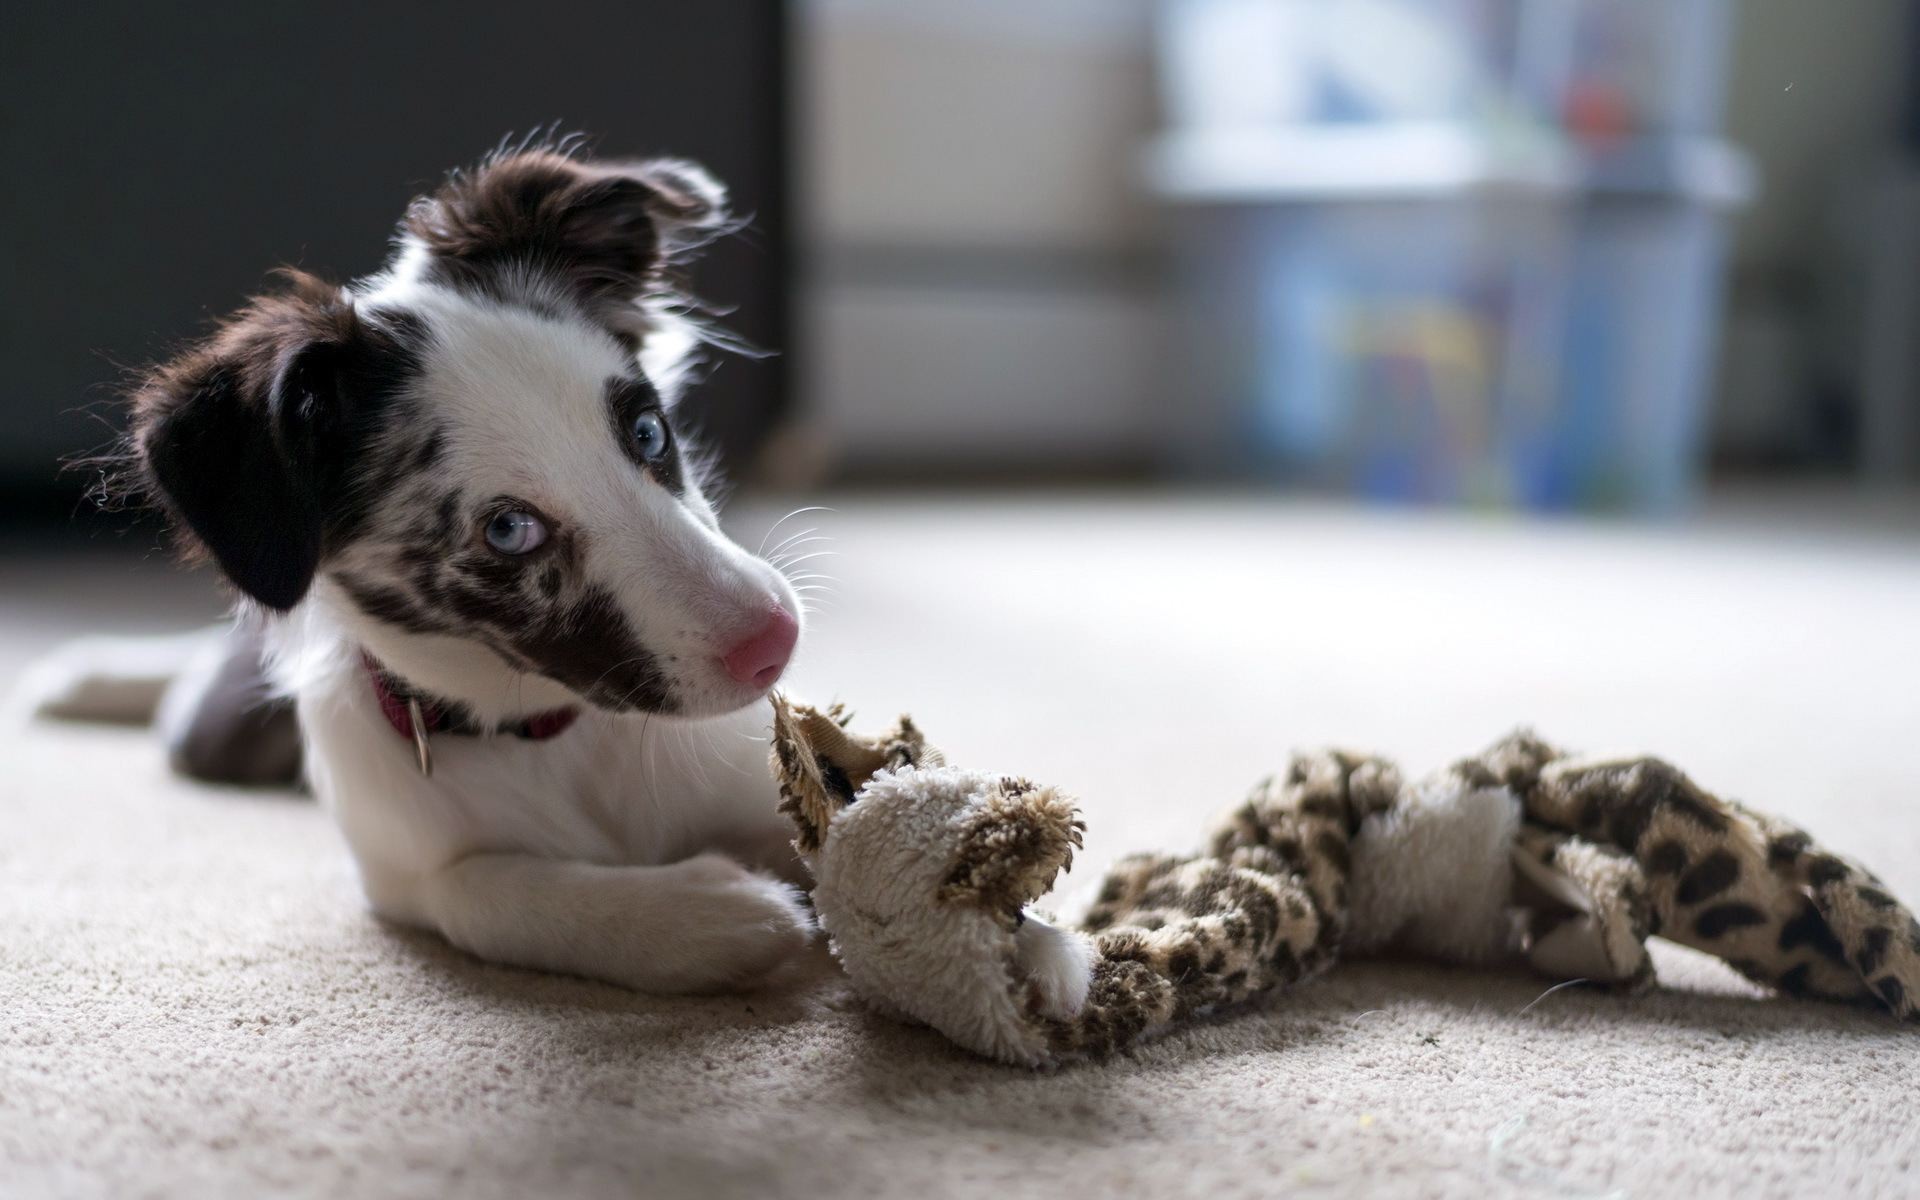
(1057, 967)
(738, 926)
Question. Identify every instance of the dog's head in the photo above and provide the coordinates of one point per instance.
(468, 446)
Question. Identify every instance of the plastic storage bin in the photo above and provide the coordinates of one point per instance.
(1606, 70)
(1513, 330)
(1644, 298)
(1454, 250)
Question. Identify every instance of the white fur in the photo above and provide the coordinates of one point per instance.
(1057, 965)
(1433, 874)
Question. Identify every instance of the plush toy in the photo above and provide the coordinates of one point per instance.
(924, 874)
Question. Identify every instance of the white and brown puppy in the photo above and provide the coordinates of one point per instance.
(530, 670)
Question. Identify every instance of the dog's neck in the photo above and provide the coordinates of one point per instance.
(456, 670)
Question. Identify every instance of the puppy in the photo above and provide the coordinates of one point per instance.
(530, 671)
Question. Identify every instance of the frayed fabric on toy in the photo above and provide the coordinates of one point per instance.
(924, 874)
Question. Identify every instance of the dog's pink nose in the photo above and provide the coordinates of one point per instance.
(760, 659)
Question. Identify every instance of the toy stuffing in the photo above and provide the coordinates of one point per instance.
(924, 874)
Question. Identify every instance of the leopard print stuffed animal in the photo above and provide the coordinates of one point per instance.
(924, 874)
(1613, 851)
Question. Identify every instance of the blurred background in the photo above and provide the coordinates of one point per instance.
(1652, 261)
(1533, 254)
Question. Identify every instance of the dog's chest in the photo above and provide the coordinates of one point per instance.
(607, 790)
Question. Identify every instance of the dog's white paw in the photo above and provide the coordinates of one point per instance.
(1057, 966)
(738, 926)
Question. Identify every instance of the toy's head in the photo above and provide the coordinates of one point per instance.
(922, 871)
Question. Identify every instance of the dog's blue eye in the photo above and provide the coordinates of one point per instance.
(516, 532)
(650, 436)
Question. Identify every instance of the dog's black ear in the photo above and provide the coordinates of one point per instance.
(607, 233)
(240, 438)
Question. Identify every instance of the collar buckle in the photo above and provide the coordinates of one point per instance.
(417, 722)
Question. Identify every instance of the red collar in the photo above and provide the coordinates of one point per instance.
(397, 703)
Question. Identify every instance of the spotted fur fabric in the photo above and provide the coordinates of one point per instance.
(924, 873)
(1648, 852)
(1177, 936)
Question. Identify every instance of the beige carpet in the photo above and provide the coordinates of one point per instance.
(193, 1003)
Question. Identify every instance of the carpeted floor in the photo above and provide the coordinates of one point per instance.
(193, 1002)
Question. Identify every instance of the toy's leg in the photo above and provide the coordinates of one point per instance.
(1589, 917)
(1180, 936)
(1220, 932)
(1881, 938)
(1853, 921)
(1746, 888)
(1177, 936)
(1122, 892)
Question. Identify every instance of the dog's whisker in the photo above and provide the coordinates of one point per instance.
(794, 562)
(783, 520)
(761, 549)
(786, 555)
(801, 538)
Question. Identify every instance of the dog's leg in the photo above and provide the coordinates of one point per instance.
(705, 924)
(221, 721)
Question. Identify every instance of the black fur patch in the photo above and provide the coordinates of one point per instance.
(1724, 918)
(1873, 950)
(1877, 898)
(597, 234)
(1668, 858)
(1714, 874)
(1333, 848)
(1809, 928)
(1794, 982)
(1785, 850)
(1823, 869)
(256, 439)
(390, 606)
(588, 646)
(1892, 991)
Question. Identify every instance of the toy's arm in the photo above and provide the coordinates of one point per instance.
(1588, 909)
(1013, 847)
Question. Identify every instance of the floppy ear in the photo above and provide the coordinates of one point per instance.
(606, 232)
(1012, 846)
(239, 439)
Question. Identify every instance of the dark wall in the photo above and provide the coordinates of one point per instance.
(159, 158)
